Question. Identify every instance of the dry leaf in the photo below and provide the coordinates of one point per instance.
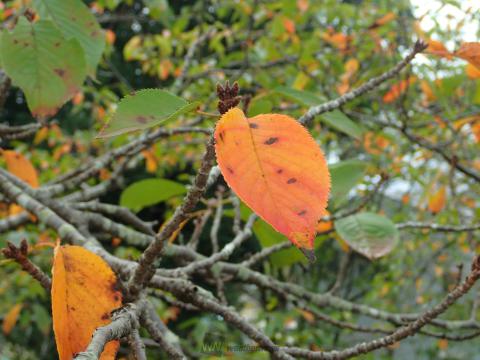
(11, 318)
(276, 167)
(83, 296)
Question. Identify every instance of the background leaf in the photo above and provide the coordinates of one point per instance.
(144, 109)
(149, 192)
(369, 234)
(341, 122)
(43, 64)
(345, 175)
(75, 20)
(304, 97)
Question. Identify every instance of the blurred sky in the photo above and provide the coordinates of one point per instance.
(446, 14)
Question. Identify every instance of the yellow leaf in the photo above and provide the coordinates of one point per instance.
(437, 200)
(40, 135)
(83, 296)
(300, 81)
(11, 319)
(151, 164)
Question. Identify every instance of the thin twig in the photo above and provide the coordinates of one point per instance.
(368, 86)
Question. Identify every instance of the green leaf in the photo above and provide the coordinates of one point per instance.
(341, 122)
(75, 20)
(144, 109)
(149, 192)
(304, 97)
(48, 68)
(369, 234)
(267, 237)
(344, 176)
(260, 106)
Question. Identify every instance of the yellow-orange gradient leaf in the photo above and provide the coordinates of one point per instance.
(437, 200)
(83, 296)
(21, 167)
(276, 167)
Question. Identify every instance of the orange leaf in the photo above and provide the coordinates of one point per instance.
(437, 48)
(383, 20)
(83, 296)
(11, 318)
(110, 36)
(339, 40)
(443, 344)
(397, 89)
(78, 98)
(470, 51)
(472, 71)
(21, 167)
(276, 167)
(437, 201)
(289, 25)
